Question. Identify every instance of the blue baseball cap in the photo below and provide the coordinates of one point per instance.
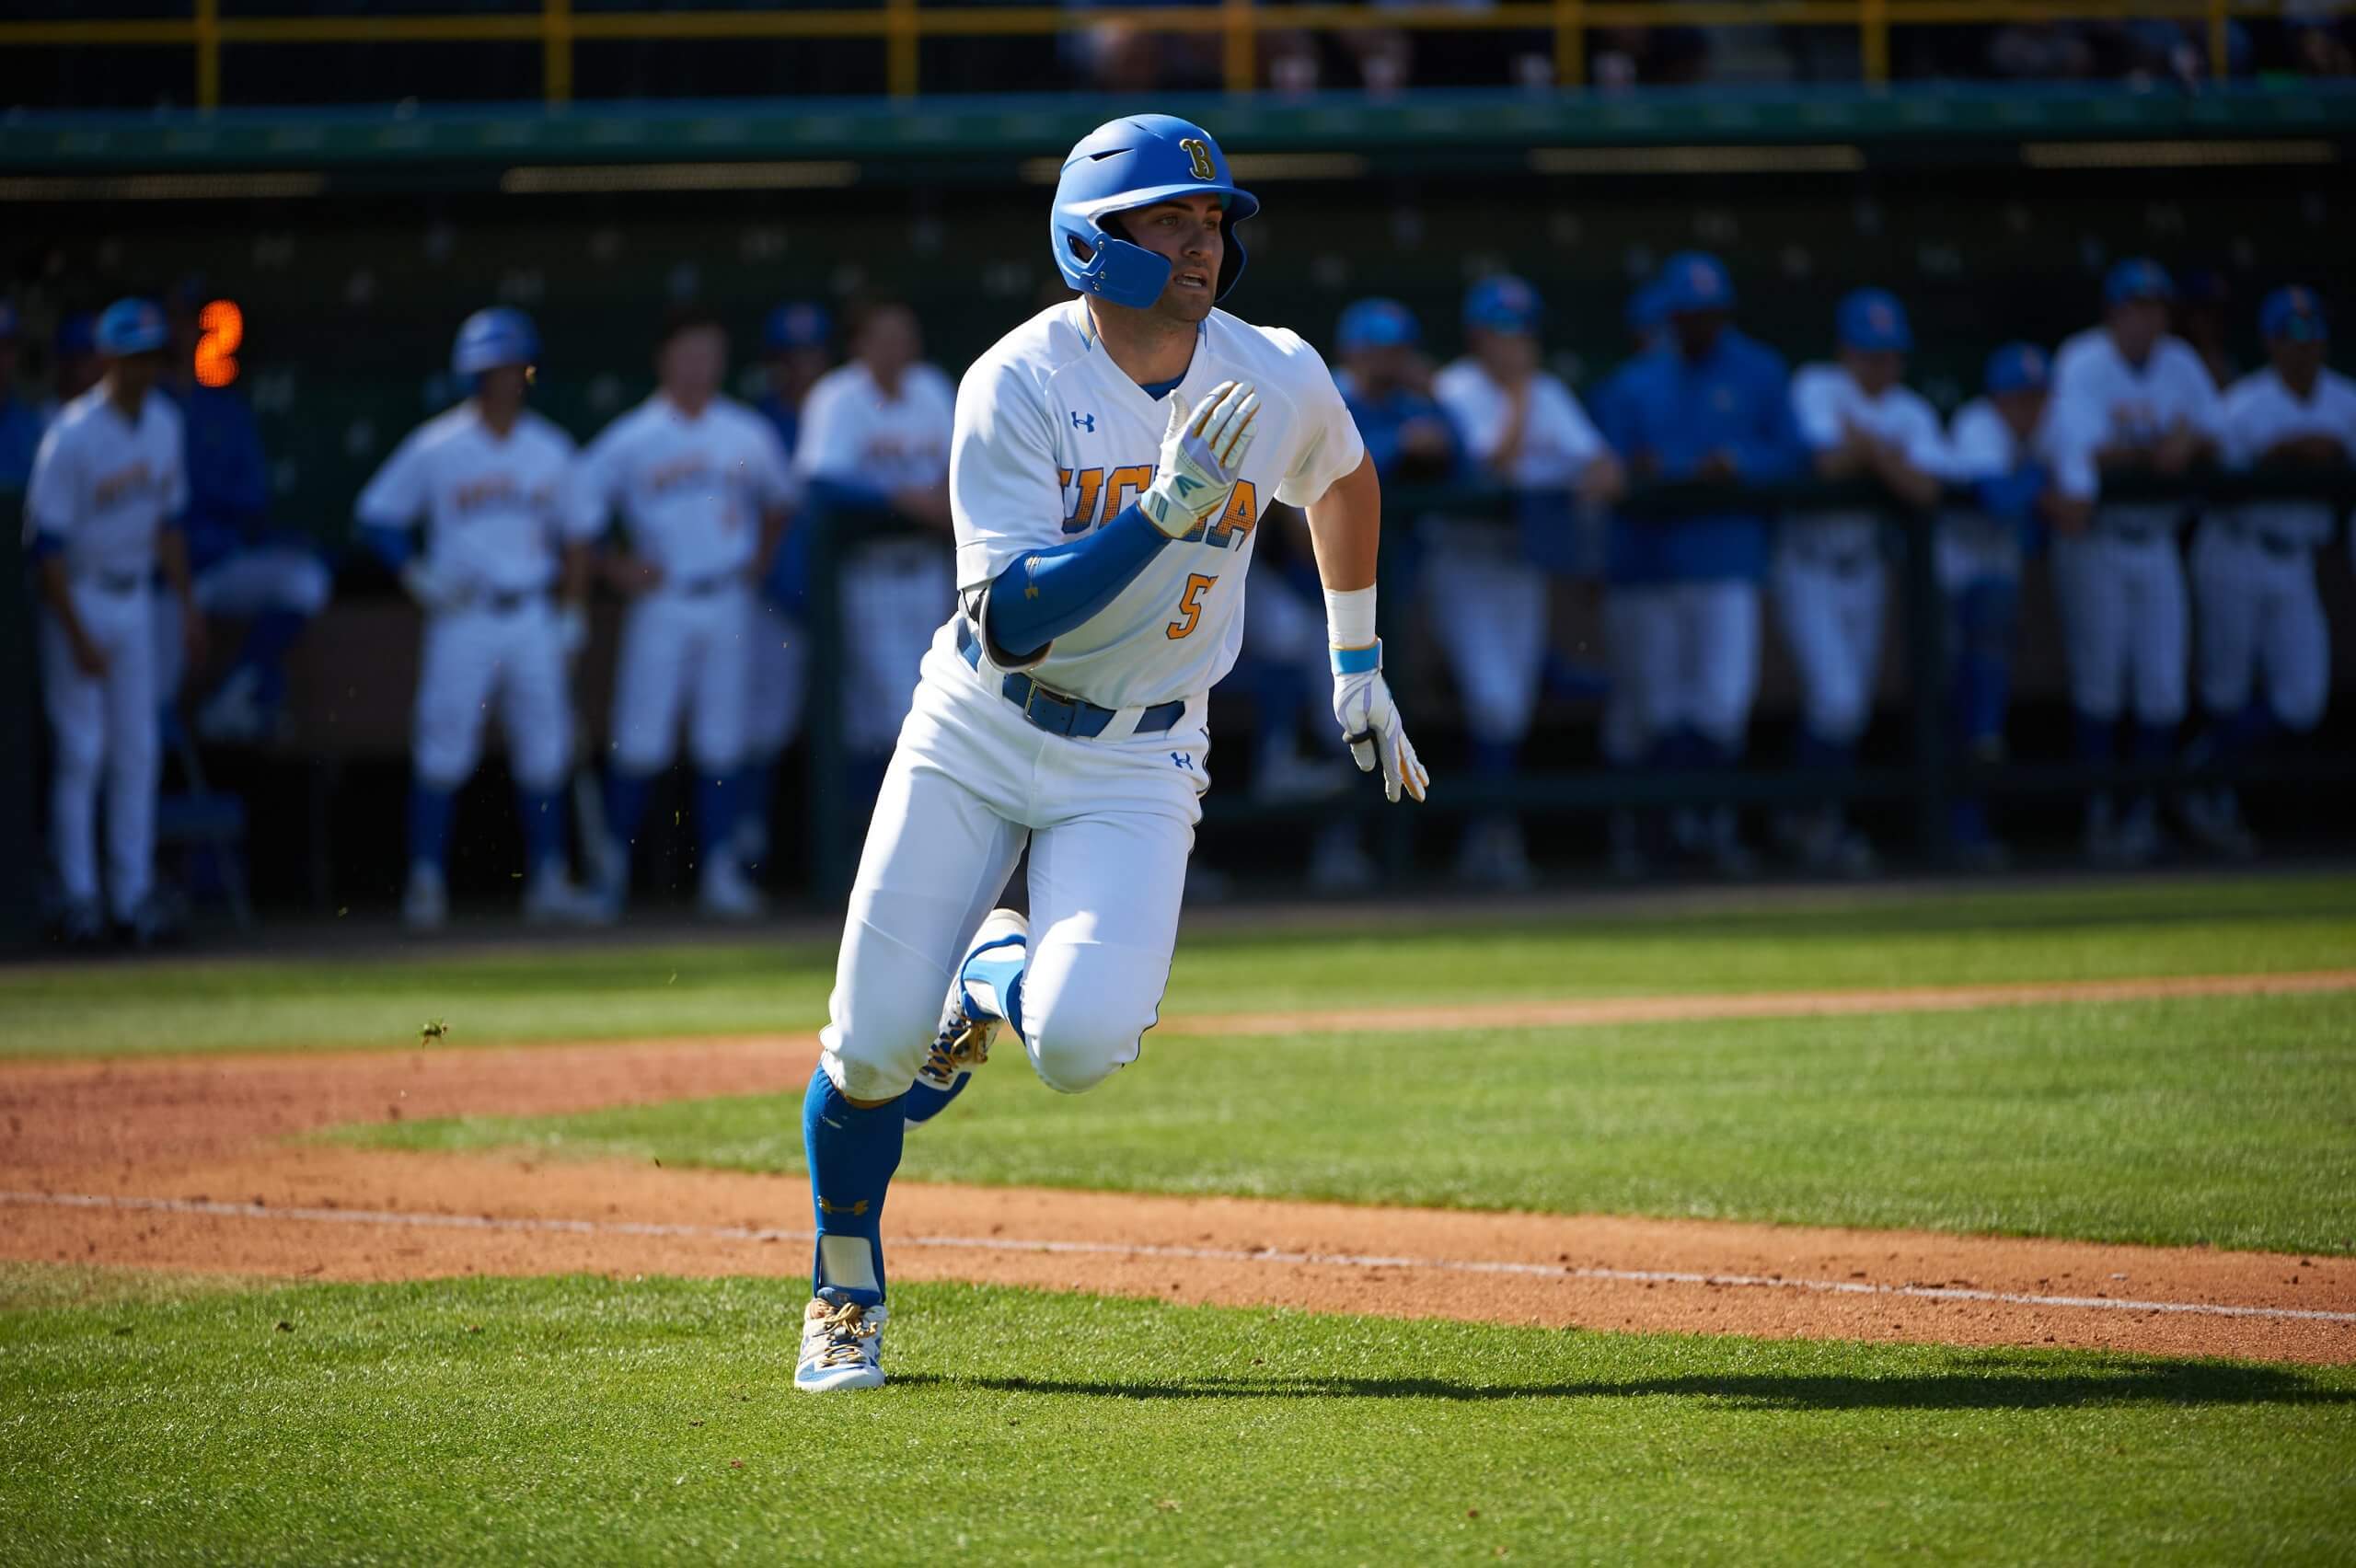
(2295, 313)
(2138, 277)
(798, 324)
(2018, 367)
(1694, 280)
(76, 334)
(132, 327)
(1377, 324)
(1503, 303)
(1647, 308)
(1873, 321)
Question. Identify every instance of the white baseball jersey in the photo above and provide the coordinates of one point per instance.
(2099, 399)
(692, 491)
(2259, 413)
(1558, 441)
(1825, 399)
(1981, 446)
(103, 486)
(1055, 440)
(493, 506)
(852, 433)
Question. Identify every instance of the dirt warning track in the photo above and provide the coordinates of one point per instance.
(185, 1164)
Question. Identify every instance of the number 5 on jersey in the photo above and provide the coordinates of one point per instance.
(1190, 606)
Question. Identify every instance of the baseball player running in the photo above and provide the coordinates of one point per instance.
(1113, 455)
(489, 478)
(2136, 400)
(2003, 445)
(1859, 420)
(702, 485)
(1530, 436)
(2253, 565)
(107, 489)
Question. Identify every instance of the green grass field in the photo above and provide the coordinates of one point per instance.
(582, 1420)
(170, 1419)
(614, 991)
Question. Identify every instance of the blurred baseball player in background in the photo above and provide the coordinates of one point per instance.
(489, 479)
(702, 484)
(107, 487)
(1712, 408)
(796, 348)
(2139, 402)
(273, 579)
(2003, 445)
(2265, 648)
(1633, 597)
(1860, 422)
(1113, 455)
(19, 423)
(1525, 432)
(875, 440)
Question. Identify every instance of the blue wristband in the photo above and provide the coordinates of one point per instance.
(1357, 660)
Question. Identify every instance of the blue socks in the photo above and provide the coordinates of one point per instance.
(429, 823)
(625, 796)
(852, 1153)
(1813, 751)
(542, 811)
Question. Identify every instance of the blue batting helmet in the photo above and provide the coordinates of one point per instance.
(1123, 164)
(2138, 277)
(798, 324)
(2295, 313)
(2018, 367)
(1694, 280)
(1376, 324)
(488, 339)
(1503, 303)
(1873, 321)
(132, 327)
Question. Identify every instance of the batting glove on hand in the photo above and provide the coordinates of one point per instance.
(1371, 725)
(1202, 456)
(435, 591)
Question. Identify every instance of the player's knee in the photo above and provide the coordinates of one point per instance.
(870, 1065)
(78, 752)
(1077, 1042)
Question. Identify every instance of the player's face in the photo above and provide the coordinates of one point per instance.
(1697, 331)
(136, 375)
(2296, 363)
(888, 342)
(1191, 235)
(1874, 371)
(691, 365)
(2136, 325)
(795, 371)
(2020, 410)
(1508, 357)
(500, 390)
(1379, 368)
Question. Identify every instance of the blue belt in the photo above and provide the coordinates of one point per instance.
(507, 601)
(1061, 715)
(699, 587)
(118, 581)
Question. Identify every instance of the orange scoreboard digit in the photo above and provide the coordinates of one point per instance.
(222, 332)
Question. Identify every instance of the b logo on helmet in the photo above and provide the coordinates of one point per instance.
(1199, 151)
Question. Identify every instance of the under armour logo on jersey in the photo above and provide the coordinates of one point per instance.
(1083, 421)
(1178, 759)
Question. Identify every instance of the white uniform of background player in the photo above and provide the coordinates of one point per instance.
(1858, 420)
(875, 432)
(702, 483)
(2140, 401)
(1072, 467)
(108, 480)
(489, 479)
(1523, 430)
(2265, 650)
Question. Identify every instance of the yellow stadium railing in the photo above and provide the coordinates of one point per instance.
(902, 25)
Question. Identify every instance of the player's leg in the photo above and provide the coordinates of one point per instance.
(1810, 609)
(891, 607)
(456, 677)
(1489, 615)
(1622, 735)
(2159, 655)
(2296, 652)
(1722, 622)
(719, 667)
(2229, 603)
(278, 590)
(133, 763)
(76, 706)
(536, 708)
(777, 670)
(1982, 613)
(2094, 615)
(651, 676)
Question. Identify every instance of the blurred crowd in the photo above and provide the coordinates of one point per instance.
(147, 515)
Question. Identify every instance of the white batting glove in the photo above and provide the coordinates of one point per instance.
(434, 592)
(1202, 456)
(1371, 725)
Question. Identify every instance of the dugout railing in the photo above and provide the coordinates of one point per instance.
(1928, 775)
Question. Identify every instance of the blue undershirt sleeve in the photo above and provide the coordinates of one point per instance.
(1049, 591)
(388, 542)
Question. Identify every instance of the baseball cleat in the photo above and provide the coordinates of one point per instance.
(968, 1024)
(551, 899)
(842, 1344)
(425, 904)
(726, 893)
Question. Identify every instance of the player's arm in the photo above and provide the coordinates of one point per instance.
(1910, 470)
(49, 505)
(1346, 531)
(1771, 448)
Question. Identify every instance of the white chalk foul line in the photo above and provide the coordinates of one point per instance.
(1148, 1249)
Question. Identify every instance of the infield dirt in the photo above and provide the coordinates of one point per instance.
(187, 1164)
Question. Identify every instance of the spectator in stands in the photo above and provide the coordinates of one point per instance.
(875, 449)
(2138, 403)
(1712, 411)
(1633, 601)
(1861, 423)
(2265, 648)
(273, 579)
(19, 425)
(1524, 431)
(797, 347)
(1121, 57)
(2001, 445)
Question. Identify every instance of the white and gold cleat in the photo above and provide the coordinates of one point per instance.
(842, 1344)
